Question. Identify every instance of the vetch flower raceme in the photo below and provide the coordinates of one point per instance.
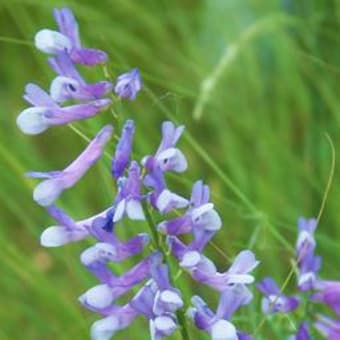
(141, 192)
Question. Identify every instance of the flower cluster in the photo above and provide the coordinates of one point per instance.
(311, 288)
(141, 193)
(70, 97)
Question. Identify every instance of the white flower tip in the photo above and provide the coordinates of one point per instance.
(165, 325)
(47, 192)
(104, 329)
(190, 259)
(168, 296)
(98, 297)
(223, 330)
(167, 200)
(134, 210)
(54, 236)
(61, 88)
(51, 42)
(31, 121)
(100, 251)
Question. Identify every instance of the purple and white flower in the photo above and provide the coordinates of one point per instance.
(70, 85)
(128, 84)
(218, 324)
(67, 40)
(45, 112)
(168, 157)
(56, 182)
(273, 300)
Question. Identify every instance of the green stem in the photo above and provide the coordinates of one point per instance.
(160, 245)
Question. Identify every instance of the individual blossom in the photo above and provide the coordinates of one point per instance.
(168, 157)
(118, 318)
(100, 298)
(238, 272)
(309, 267)
(305, 242)
(67, 40)
(56, 182)
(273, 300)
(201, 215)
(69, 84)
(158, 301)
(128, 84)
(202, 269)
(45, 112)
(219, 325)
(161, 197)
(128, 200)
(328, 292)
(122, 155)
(328, 327)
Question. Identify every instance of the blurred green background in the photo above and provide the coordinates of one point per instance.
(257, 85)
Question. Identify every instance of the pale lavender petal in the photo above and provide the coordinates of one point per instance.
(67, 24)
(63, 66)
(36, 96)
(168, 201)
(232, 299)
(268, 287)
(200, 194)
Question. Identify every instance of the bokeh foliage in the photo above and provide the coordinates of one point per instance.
(259, 142)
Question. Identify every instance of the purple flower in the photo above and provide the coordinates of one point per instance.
(168, 157)
(303, 332)
(70, 85)
(45, 112)
(57, 181)
(328, 327)
(201, 215)
(158, 301)
(274, 301)
(100, 298)
(218, 324)
(309, 267)
(119, 318)
(204, 270)
(238, 272)
(123, 151)
(162, 198)
(328, 292)
(67, 40)
(305, 242)
(128, 84)
(129, 198)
